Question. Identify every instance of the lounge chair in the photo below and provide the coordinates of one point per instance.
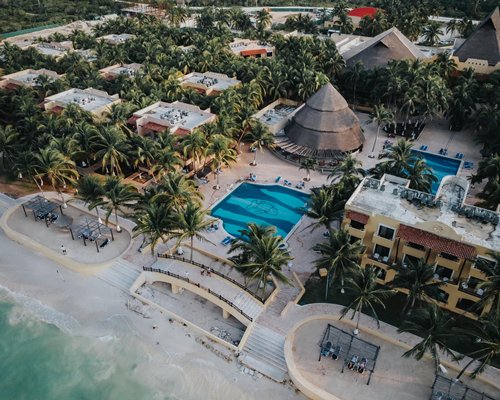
(105, 243)
(226, 240)
(459, 156)
(437, 396)
(325, 350)
(424, 147)
(277, 179)
(362, 365)
(336, 352)
(468, 165)
(300, 185)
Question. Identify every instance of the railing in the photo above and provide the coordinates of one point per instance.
(200, 265)
(186, 279)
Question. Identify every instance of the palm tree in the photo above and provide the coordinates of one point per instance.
(117, 195)
(111, 149)
(91, 191)
(154, 221)
(262, 20)
(194, 146)
(339, 257)
(367, 294)
(490, 287)
(175, 190)
(190, 222)
(53, 166)
(353, 74)
(432, 33)
(400, 158)
(418, 279)
(348, 172)
(308, 164)
(222, 153)
(485, 335)
(325, 205)
(8, 143)
(421, 176)
(434, 327)
(260, 137)
(379, 116)
(260, 254)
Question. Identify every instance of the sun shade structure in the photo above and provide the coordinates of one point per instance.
(379, 50)
(448, 389)
(42, 209)
(346, 347)
(93, 231)
(484, 43)
(325, 127)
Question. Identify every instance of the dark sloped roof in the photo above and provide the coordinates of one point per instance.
(484, 43)
(379, 50)
(325, 125)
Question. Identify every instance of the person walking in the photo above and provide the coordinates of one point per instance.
(63, 250)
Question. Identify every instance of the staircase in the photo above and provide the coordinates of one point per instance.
(121, 275)
(248, 304)
(264, 352)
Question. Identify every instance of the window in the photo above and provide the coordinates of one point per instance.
(469, 306)
(407, 260)
(442, 273)
(449, 256)
(357, 225)
(484, 261)
(472, 286)
(354, 239)
(381, 253)
(415, 246)
(269, 53)
(385, 232)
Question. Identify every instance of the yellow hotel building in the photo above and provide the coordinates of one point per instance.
(399, 225)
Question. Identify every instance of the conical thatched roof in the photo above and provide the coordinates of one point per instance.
(379, 50)
(484, 43)
(324, 127)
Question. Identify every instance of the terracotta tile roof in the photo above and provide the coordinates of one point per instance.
(154, 127)
(436, 243)
(56, 109)
(358, 217)
(181, 132)
(362, 12)
(11, 86)
(253, 52)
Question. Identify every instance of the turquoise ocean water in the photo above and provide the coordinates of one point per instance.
(47, 360)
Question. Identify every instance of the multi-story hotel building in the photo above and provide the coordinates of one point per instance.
(398, 225)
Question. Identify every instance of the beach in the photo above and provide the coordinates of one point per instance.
(92, 318)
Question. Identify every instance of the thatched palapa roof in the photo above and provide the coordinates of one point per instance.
(484, 43)
(324, 127)
(379, 50)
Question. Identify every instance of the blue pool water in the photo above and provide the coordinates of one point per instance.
(263, 204)
(441, 165)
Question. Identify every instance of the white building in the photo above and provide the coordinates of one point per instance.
(92, 100)
(209, 83)
(114, 71)
(252, 48)
(26, 78)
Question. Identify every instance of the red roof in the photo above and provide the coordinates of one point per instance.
(436, 243)
(56, 109)
(253, 52)
(358, 217)
(11, 86)
(181, 131)
(363, 12)
(154, 127)
(132, 119)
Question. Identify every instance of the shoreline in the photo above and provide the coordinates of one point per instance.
(99, 309)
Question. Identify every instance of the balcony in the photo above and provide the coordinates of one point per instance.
(358, 233)
(382, 241)
(470, 287)
(412, 251)
(378, 258)
(448, 262)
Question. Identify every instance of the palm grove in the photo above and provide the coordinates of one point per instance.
(44, 148)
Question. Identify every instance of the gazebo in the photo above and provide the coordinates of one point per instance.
(448, 389)
(42, 209)
(324, 128)
(93, 231)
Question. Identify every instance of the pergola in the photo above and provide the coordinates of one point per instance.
(93, 231)
(346, 346)
(41, 208)
(449, 389)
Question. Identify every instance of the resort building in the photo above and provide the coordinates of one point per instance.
(116, 39)
(180, 118)
(324, 128)
(114, 71)
(356, 15)
(277, 114)
(208, 83)
(94, 101)
(481, 50)
(88, 55)
(398, 226)
(252, 48)
(54, 49)
(379, 50)
(26, 78)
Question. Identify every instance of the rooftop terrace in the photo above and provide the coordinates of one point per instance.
(391, 197)
(117, 39)
(88, 99)
(121, 69)
(173, 115)
(28, 77)
(210, 80)
(54, 49)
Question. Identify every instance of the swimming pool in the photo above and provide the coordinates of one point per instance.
(441, 165)
(263, 204)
